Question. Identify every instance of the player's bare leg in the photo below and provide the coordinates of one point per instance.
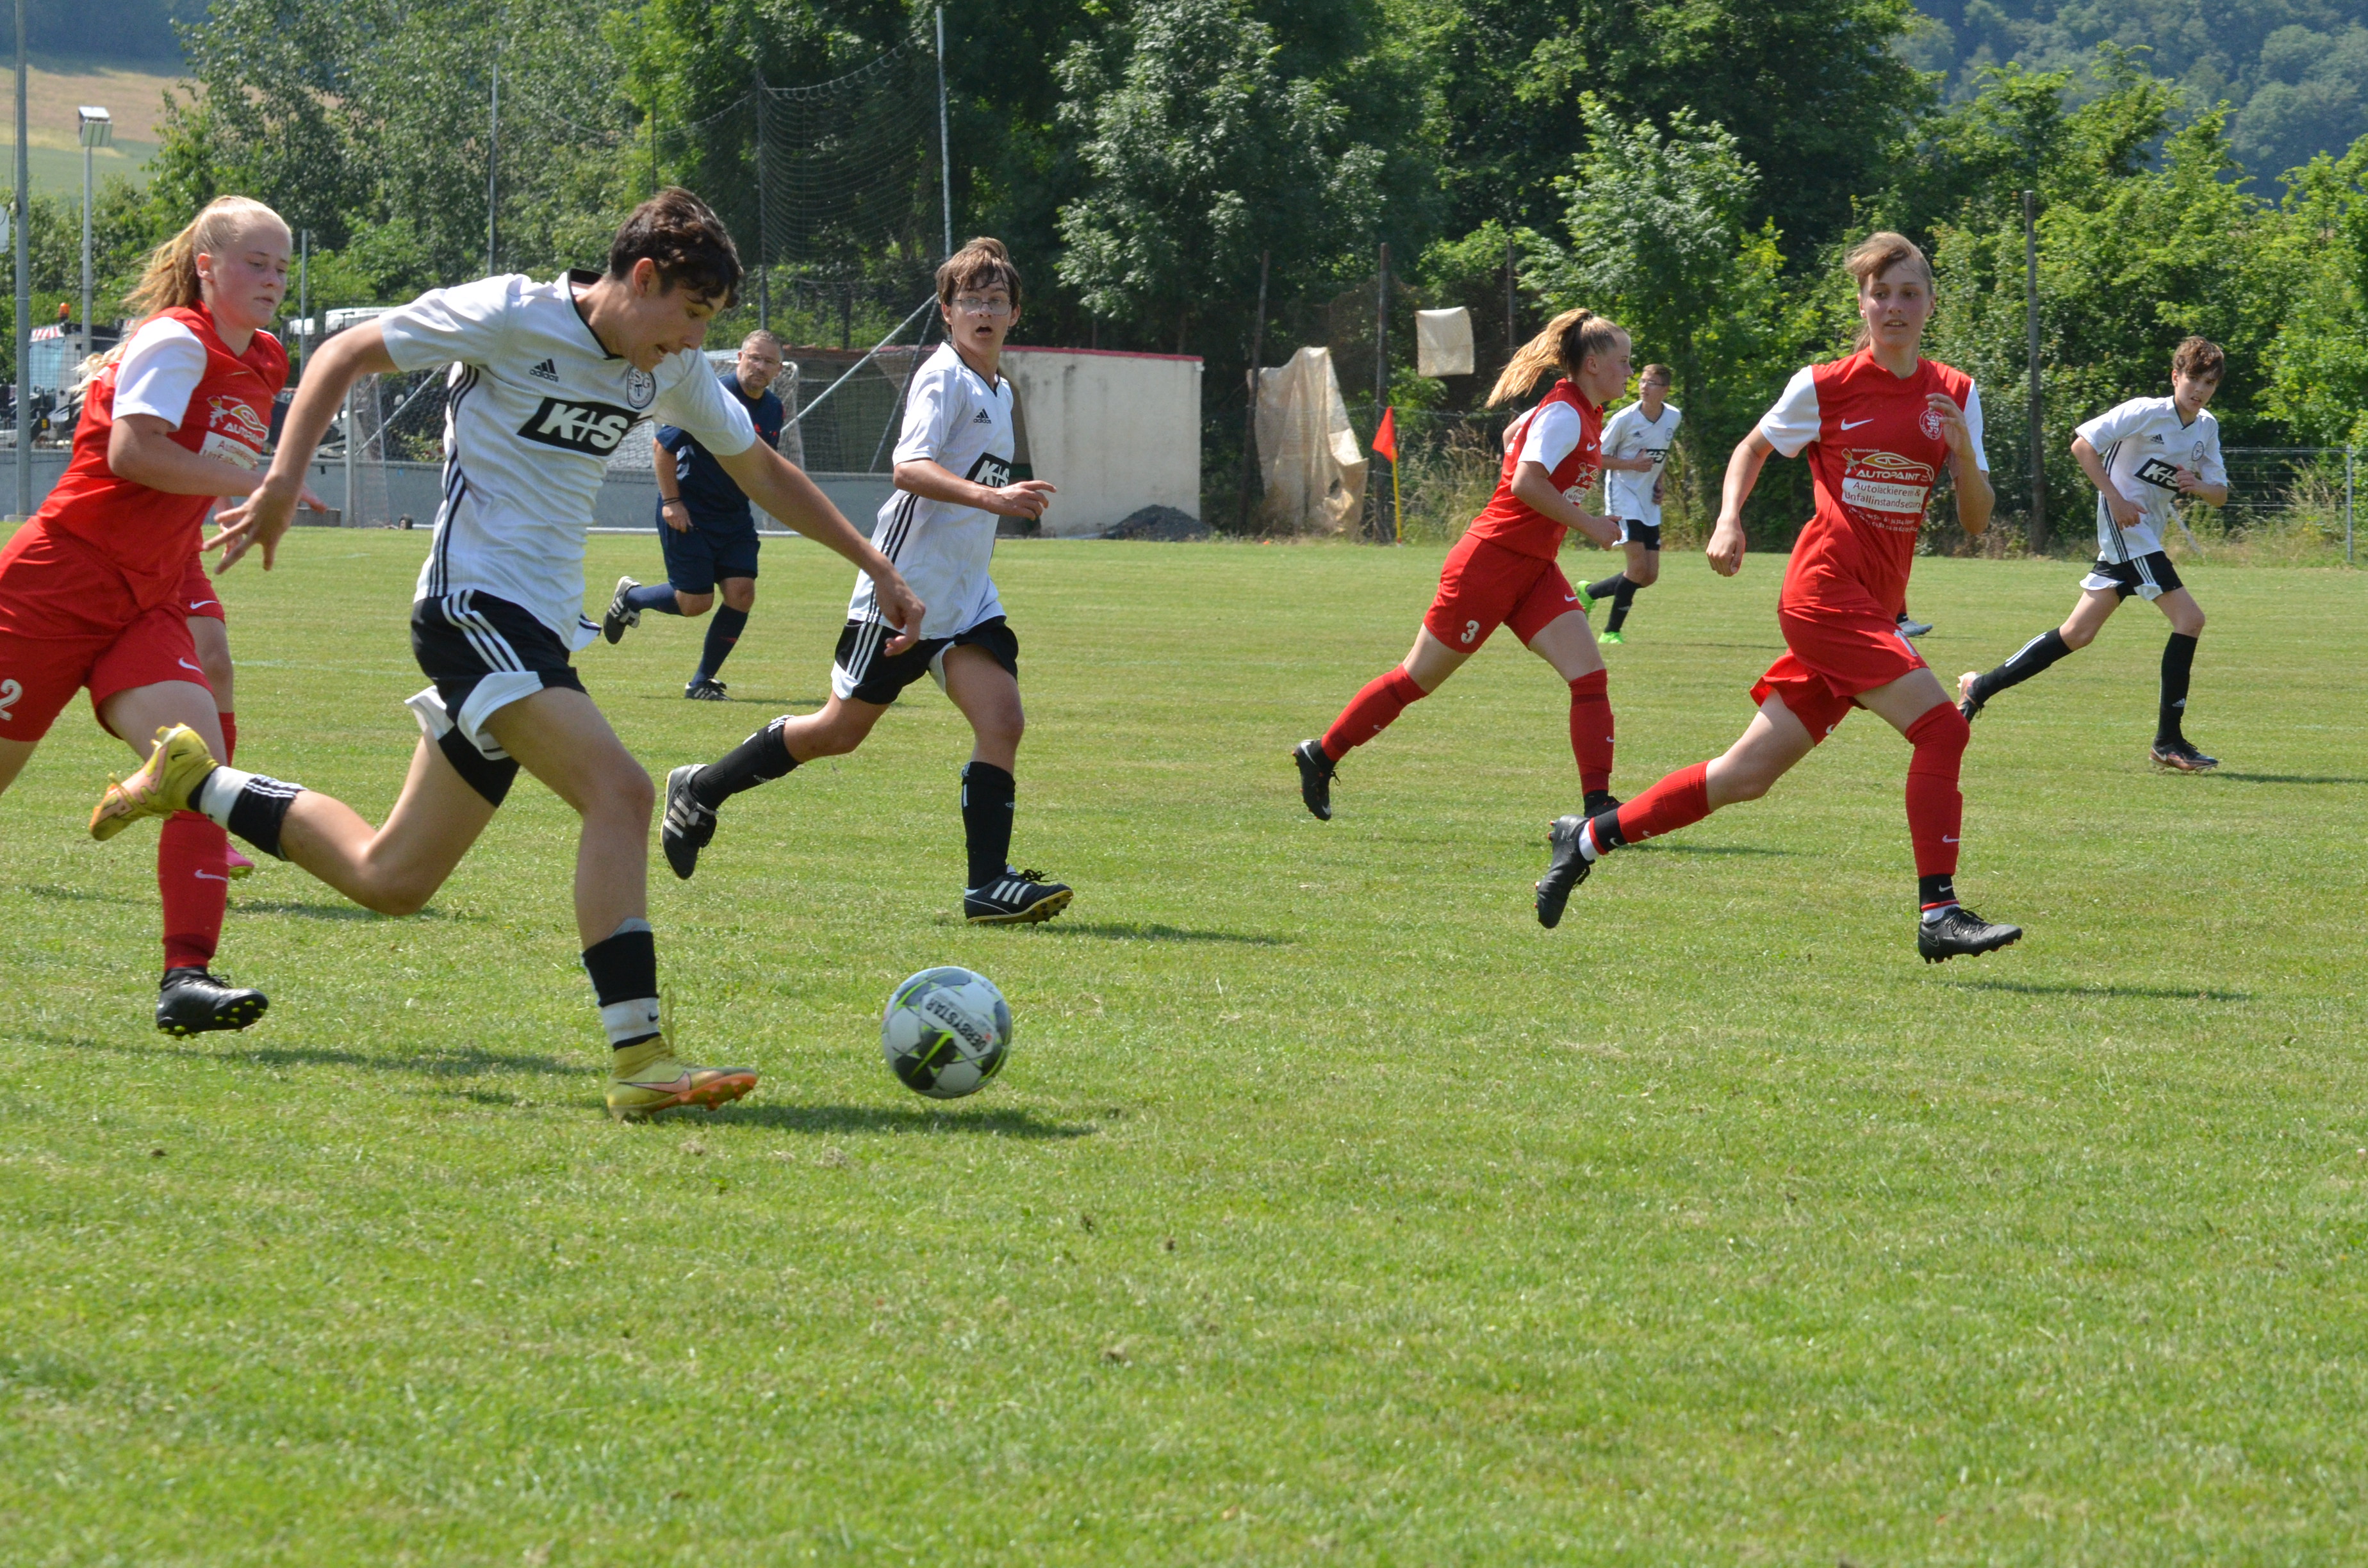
(993, 894)
(14, 755)
(694, 793)
(1976, 687)
(1424, 669)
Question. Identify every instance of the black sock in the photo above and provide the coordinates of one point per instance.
(659, 597)
(2178, 663)
(248, 805)
(760, 757)
(1621, 598)
(1606, 588)
(2029, 660)
(721, 634)
(1605, 825)
(988, 795)
(624, 970)
(1931, 891)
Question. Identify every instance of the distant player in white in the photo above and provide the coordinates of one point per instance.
(1637, 442)
(547, 378)
(2142, 456)
(953, 479)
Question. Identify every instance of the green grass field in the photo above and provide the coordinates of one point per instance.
(1328, 1211)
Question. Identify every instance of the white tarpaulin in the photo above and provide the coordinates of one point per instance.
(1443, 342)
(1314, 473)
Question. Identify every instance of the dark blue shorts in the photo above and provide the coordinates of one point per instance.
(698, 559)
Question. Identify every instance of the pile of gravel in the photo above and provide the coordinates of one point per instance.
(1165, 524)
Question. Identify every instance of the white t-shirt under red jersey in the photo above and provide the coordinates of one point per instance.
(1563, 434)
(1876, 453)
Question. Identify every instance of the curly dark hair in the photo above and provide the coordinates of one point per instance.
(686, 240)
(2199, 356)
(983, 263)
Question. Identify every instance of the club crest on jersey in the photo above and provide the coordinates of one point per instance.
(1930, 423)
(594, 429)
(993, 472)
(1885, 490)
(640, 388)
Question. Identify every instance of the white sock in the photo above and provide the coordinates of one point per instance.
(1587, 849)
(1932, 915)
(216, 795)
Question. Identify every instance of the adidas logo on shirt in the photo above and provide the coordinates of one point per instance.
(545, 372)
(982, 417)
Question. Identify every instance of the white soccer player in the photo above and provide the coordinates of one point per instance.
(953, 479)
(2142, 456)
(547, 378)
(1636, 444)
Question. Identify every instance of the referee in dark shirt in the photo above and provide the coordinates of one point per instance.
(705, 527)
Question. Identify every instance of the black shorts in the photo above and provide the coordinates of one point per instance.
(2149, 576)
(1634, 531)
(708, 553)
(482, 653)
(864, 672)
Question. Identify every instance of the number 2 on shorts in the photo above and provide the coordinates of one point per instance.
(10, 692)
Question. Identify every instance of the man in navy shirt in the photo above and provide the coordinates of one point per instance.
(705, 526)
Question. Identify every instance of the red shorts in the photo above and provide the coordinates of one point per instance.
(67, 621)
(1831, 655)
(196, 592)
(1485, 586)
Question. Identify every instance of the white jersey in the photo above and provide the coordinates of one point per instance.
(955, 419)
(536, 406)
(2144, 445)
(1630, 434)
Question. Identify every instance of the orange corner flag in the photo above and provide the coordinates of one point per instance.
(1385, 439)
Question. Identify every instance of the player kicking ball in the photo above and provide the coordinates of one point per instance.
(1637, 442)
(1878, 427)
(547, 378)
(953, 479)
(2142, 456)
(704, 525)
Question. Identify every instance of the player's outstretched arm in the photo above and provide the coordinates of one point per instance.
(1726, 547)
(265, 515)
(934, 482)
(1534, 487)
(141, 448)
(778, 487)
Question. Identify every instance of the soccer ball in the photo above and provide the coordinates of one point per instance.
(946, 1032)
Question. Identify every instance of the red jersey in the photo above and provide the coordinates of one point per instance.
(1875, 452)
(1513, 523)
(149, 536)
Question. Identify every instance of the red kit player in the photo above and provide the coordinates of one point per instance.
(1877, 429)
(97, 590)
(1503, 573)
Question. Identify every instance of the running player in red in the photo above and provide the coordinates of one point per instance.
(1878, 427)
(93, 591)
(1503, 573)
(209, 632)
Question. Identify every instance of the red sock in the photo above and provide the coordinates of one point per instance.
(1935, 809)
(1590, 730)
(1373, 710)
(1681, 799)
(229, 723)
(189, 874)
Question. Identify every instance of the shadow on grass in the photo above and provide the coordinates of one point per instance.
(470, 1064)
(2113, 992)
(777, 703)
(304, 911)
(78, 895)
(1666, 848)
(1125, 931)
(883, 1119)
(2284, 778)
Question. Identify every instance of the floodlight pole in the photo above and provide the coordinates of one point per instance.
(493, 166)
(764, 280)
(305, 297)
(24, 290)
(2031, 314)
(945, 143)
(1249, 413)
(1511, 341)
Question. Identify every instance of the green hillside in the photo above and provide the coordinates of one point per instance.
(2295, 70)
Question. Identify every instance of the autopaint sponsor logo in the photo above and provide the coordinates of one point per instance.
(238, 417)
(591, 427)
(949, 1019)
(1886, 489)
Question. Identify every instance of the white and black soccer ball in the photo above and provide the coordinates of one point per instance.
(946, 1032)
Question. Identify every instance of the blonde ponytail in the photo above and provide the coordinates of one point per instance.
(171, 278)
(1563, 345)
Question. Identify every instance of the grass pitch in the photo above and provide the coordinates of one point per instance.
(1328, 1210)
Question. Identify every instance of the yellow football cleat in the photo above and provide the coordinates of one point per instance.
(162, 786)
(646, 1080)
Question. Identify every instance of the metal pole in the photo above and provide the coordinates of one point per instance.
(763, 282)
(2347, 505)
(2031, 314)
(1382, 367)
(305, 297)
(1512, 339)
(1249, 413)
(85, 250)
(24, 290)
(493, 168)
(348, 519)
(945, 143)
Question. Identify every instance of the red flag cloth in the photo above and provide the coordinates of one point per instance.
(1385, 439)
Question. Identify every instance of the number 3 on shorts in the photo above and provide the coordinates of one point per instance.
(1471, 630)
(10, 693)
